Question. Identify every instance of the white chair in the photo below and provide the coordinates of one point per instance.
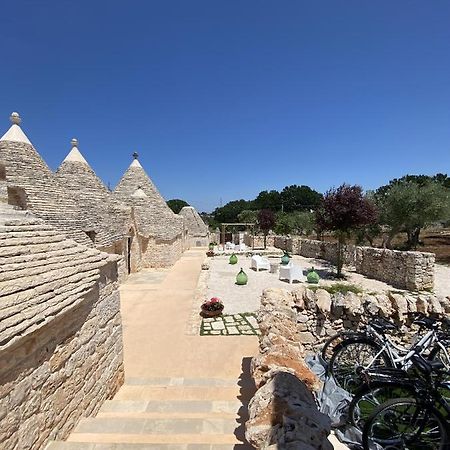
(291, 272)
(258, 263)
(229, 246)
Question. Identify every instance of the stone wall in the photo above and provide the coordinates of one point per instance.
(161, 252)
(283, 412)
(406, 270)
(61, 351)
(320, 315)
(258, 241)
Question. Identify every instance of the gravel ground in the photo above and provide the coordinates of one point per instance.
(238, 299)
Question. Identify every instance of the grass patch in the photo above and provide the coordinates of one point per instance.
(338, 287)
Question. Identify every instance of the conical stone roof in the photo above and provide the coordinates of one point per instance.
(153, 215)
(45, 196)
(43, 274)
(193, 222)
(92, 196)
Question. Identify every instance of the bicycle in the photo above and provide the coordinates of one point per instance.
(420, 421)
(374, 349)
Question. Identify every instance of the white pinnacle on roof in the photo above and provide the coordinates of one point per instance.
(74, 154)
(15, 133)
(139, 192)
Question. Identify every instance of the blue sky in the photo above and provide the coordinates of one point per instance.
(225, 99)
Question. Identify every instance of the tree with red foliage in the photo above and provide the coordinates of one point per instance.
(266, 221)
(343, 210)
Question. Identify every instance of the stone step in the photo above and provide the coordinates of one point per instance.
(161, 426)
(145, 446)
(180, 381)
(182, 408)
(164, 393)
(181, 439)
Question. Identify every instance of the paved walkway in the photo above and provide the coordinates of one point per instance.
(181, 391)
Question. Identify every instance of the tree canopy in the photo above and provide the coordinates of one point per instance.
(343, 210)
(176, 205)
(412, 203)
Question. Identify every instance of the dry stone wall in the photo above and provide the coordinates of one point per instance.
(407, 270)
(283, 412)
(61, 351)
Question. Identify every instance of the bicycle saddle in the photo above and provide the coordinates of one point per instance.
(426, 322)
(382, 325)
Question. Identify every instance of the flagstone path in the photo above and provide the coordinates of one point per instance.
(181, 391)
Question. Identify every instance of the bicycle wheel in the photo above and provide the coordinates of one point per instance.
(440, 354)
(370, 396)
(334, 341)
(405, 424)
(351, 357)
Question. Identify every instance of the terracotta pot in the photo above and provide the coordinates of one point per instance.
(206, 313)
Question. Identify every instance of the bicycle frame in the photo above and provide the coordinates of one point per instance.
(393, 351)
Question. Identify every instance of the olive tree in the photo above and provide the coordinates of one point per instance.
(409, 206)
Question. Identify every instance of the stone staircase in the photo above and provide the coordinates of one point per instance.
(166, 414)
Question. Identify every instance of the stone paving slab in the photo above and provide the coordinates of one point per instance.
(230, 325)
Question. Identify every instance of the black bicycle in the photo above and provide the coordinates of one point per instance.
(416, 422)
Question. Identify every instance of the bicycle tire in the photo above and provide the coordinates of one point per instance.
(437, 354)
(400, 414)
(370, 396)
(334, 341)
(349, 377)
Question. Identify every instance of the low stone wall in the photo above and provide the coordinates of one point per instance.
(258, 241)
(283, 412)
(64, 370)
(406, 270)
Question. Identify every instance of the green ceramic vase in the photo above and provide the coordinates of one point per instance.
(313, 276)
(233, 259)
(241, 278)
(285, 259)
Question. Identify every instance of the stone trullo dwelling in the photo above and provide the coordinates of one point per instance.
(32, 185)
(109, 224)
(160, 231)
(197, 230)
(134, 221)
(61, 351)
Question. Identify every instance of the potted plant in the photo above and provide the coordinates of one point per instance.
(212, 307)
(210, 253)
